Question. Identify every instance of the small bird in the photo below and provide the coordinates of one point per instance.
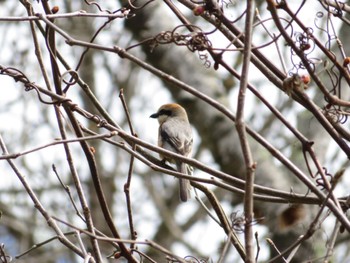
(175, 134)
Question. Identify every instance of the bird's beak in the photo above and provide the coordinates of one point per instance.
(154, 115)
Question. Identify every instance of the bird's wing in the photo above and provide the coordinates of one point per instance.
(180, 138)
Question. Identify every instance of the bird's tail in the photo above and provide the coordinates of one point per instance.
(184, 184)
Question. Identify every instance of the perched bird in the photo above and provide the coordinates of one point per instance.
(175, 134)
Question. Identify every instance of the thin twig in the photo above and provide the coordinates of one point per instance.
(130, 172)
(56, 142)
(80, 13)
(40, 244)
(67, 190)
(331, 242)
(250, 166)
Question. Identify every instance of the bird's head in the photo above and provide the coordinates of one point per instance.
(171, 110)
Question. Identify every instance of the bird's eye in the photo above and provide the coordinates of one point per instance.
(165, 112)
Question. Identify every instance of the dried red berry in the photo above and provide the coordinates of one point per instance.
(92, 150)
(198, 10)
(305, 79)
(305, 46)
(346, 61)
(55, 9)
